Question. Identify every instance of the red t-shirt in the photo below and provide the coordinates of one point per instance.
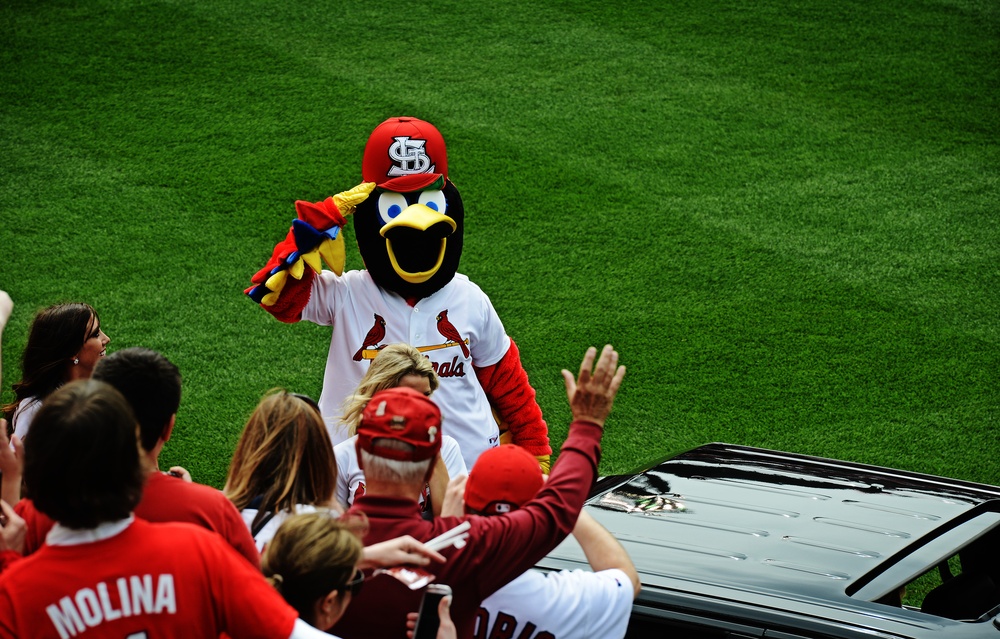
(166, 498)
(149, 580)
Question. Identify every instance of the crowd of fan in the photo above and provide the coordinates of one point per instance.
(97, 541)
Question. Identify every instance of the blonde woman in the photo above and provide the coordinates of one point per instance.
(396, 365)
(317, 563)
(283, 464)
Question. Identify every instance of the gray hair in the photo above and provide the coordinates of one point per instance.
(394, 470)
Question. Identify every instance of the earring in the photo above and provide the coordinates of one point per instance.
(76, 360)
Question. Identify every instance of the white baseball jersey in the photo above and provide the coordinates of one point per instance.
(349, 303)
(559, 605)
(350, 476)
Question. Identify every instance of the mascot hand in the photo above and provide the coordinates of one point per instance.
(315, 237)
(317, 230)
(545, 463)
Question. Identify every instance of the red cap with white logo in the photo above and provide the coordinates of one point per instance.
(405, 415)
(502, 480)
(405, 154)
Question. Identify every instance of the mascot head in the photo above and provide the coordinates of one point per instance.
(409, 230)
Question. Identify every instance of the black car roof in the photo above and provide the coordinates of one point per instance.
(770, 523)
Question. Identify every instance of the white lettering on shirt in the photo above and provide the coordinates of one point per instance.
(72, 615)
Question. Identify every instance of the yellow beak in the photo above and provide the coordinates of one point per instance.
(420, 218)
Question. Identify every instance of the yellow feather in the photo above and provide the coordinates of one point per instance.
(347, 200)
(312, 259)
(297, 269)
(269, 299)
(333, 253)
(276, 282)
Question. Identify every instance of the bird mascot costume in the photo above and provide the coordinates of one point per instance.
(409, 223)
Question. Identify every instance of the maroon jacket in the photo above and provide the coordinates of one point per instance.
(499, 548)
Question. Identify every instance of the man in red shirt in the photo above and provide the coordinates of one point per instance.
(398, 438)
(152, 386)
(103, 573)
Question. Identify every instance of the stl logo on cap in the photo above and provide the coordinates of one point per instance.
(409, 156)
(405, 154)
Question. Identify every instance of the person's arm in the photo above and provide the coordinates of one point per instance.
(6, 308)
(14, 529)
(401, 551)
(454, 498)
(283, 287)
(603, 551)
(438, 483)
(516, 541)
(11, 465)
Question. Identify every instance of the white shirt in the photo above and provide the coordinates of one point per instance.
(350, 476)
(565, 604)
(266, 534)
(349, 304)
(24, 414)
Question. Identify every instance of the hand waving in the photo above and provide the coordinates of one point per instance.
(593, 391)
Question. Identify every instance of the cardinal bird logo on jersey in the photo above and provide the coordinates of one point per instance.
(448, 329)
(374, 336)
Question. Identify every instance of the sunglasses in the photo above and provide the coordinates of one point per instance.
(354, 585)
(308, 400)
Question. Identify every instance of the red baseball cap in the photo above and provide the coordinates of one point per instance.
(503, 479)
(402, 414)
(405, 154)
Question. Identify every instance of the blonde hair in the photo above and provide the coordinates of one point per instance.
(312, 555)
(284, 456)
(393, 363)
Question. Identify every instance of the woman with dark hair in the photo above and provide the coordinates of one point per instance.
(64, 344)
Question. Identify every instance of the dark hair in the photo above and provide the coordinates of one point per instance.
(83, 466)
(149, 382)
(57, 334)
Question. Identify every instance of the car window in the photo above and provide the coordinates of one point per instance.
(955, 574)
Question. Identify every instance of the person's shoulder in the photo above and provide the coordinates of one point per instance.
(25, 410)
(172, 529)
(463, 283)
(181, 492)
(346, 446)
(19, 570)
(355, 277)
(28, 404)
(611, 578)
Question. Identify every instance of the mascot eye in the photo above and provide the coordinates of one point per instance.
(434, 200)
(390, 205)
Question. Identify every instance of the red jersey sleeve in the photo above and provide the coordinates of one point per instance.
(38, 524)
(506, 385)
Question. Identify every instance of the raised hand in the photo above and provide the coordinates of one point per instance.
(592, 393)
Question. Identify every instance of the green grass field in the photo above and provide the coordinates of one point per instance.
(783, 214)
